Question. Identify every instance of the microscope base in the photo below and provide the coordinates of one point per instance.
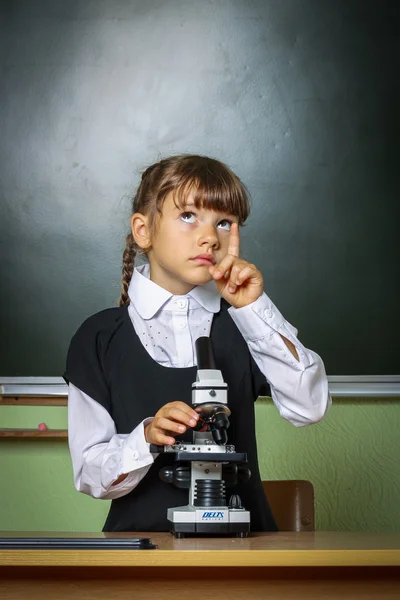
(180, 530)
(188, 520)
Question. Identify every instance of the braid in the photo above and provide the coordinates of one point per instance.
(128, 260)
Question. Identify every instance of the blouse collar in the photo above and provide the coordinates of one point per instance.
(148, 297)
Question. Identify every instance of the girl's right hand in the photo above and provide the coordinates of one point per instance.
(173, 418)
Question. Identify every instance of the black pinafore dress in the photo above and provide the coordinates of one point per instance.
(107, 361)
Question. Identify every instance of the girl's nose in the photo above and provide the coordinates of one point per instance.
(208, 235)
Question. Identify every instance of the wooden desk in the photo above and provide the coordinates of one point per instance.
(309, 565)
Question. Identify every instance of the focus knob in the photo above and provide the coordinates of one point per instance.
(235, 502)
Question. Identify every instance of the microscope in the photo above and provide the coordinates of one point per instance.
(207, 465)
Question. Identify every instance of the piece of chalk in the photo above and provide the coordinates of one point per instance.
(42, 426)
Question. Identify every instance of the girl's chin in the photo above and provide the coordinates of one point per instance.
(200, 277)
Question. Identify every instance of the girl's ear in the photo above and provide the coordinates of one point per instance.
(141, 231)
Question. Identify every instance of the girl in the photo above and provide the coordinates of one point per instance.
(130, 369)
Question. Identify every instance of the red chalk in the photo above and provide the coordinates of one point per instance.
(42, 427)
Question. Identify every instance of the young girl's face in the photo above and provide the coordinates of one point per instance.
(186, 242)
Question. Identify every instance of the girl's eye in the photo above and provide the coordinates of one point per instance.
(188, 217)
(225, 224)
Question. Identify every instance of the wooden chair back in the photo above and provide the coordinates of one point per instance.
(292, 504)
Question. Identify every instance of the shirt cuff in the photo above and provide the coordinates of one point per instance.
(136, 451)
(259, 322)
(247, 318)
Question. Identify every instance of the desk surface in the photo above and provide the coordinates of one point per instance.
(311, 549)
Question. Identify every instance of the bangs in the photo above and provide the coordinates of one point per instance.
(210, 184)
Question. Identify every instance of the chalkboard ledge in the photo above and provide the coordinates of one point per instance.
(351, 386)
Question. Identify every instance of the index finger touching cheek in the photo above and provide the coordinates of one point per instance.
(234, 240)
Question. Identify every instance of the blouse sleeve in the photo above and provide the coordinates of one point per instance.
(299, 388)
(99, 454)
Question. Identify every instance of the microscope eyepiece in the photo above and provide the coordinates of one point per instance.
(204, 353)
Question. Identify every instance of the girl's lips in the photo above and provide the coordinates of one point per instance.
(203, 261)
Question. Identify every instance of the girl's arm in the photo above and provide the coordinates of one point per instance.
(105, 464)
(109, 465)
(299, 386)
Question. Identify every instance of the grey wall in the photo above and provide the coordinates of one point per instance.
(298, 96)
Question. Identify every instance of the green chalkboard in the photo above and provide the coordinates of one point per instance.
(299, 97)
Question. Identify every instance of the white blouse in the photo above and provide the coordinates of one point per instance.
(168, 327)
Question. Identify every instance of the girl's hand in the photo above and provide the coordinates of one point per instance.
(239, 282)
(172, 418)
